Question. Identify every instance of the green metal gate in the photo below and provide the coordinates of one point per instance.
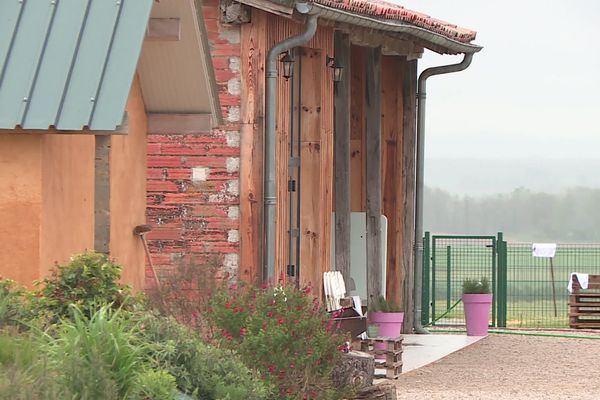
(450, 259)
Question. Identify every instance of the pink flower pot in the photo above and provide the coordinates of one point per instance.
(389, 323)
(477, 313)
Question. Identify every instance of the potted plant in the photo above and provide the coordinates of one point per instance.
(477, 301)
(387, 315)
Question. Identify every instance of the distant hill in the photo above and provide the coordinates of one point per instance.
(477, 177)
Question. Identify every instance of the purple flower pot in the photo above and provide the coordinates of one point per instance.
(389, 323)
(477, 313)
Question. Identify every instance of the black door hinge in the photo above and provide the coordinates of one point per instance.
(291, 185)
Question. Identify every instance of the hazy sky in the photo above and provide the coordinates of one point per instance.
(534, 90)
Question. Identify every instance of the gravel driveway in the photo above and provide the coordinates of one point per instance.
(510, 367)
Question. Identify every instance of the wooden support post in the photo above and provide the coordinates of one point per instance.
(407, 203)
(342, 158)
(373, 133)
(102, 194)
(251, 147)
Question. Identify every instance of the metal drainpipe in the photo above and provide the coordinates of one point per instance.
(421, 100)
(270, 194)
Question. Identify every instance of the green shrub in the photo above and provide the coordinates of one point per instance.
(13, 305)
(155, 385)
(97, 358)
(380, 304)
(476, 286)
(200, 370)
(286, 334)
(89, 281)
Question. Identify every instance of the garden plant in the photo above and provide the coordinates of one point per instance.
(82, 335)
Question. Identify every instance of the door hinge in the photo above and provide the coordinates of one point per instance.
(291, 185)
(291, 270)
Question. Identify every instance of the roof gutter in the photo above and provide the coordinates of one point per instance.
(270, 189)
(418, 240)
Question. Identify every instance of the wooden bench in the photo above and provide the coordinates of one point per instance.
(584, 304)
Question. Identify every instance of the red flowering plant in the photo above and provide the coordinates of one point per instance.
(283, 332)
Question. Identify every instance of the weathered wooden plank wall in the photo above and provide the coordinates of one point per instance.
(266, 30)
(391, 121)
(316, 147)
(253, 53)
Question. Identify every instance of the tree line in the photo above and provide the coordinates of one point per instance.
(523, 215)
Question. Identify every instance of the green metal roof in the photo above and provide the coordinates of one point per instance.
(68, 64)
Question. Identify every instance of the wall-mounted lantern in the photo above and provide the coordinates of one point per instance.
(336, 69)
(288, 65)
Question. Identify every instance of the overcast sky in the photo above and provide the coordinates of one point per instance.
(534, 90)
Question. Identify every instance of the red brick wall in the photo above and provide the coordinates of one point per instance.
(193, 180)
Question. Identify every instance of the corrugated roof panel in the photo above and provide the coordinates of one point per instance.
(93, 52)
(109, 105)
(53, 76)
(68, 63)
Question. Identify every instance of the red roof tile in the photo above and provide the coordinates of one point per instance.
(393, 12)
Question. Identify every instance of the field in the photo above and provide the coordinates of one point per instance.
(529, 284)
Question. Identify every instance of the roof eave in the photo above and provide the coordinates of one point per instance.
(432, 40)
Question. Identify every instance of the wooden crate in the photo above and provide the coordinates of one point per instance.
(392, 351)
(584, 304)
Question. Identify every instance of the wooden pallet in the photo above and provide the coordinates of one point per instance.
(584, 304)
(392, 352)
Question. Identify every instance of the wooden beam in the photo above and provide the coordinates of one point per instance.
(312, 168)
(102, 194)
(179, 124)
(391, 127)
(342, 157)
(407, 203)
(357, 130)
(373, 130)
(251, 147)
(164, 29)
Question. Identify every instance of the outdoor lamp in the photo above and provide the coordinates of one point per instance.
(288, 65)
(336, 69)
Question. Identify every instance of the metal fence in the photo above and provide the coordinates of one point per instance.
(528, 291)
(530, 298)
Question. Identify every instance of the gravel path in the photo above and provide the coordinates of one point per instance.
(510, 367)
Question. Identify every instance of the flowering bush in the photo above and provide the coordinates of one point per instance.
(285, 334)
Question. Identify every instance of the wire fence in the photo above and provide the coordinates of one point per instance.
(530, 288)
(529, 292)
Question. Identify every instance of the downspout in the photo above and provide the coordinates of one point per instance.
(270, 194)
(421, 100)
